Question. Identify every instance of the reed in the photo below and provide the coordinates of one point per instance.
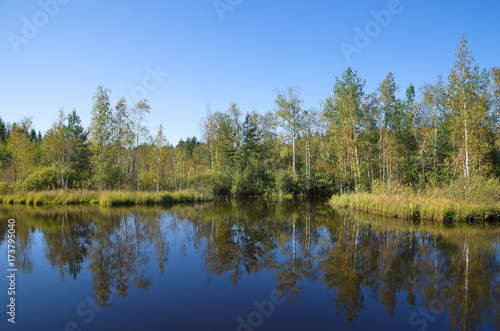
(419, 207)
(105, 198)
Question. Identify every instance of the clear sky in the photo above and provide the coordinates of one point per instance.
(54, 53)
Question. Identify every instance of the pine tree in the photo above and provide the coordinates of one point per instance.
(251, 136)
(3, 130)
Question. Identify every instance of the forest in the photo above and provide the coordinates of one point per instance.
(434, 136)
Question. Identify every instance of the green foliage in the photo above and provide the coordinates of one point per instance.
(476, 189)
(344, 113)
(5, 156)
(289, 111)
(247, 182)
(46, 178)
(5, 188)
(287, 183)
(216, 183)
(3, 130)
(468, 103)
(111, 175)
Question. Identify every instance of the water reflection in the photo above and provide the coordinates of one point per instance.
(451, 274)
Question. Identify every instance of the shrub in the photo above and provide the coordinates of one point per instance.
(475, 189)
(46, 178)
(112, 176)
(247, 183)
(5, 188)
(287, 183)
(215, 183)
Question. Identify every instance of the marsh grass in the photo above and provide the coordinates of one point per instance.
(105, 198)
(468, 200)
(418, 207)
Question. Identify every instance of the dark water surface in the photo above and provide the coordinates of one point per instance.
(245, 266)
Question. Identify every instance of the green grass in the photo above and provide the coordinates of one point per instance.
(414, 206)
(105, 198)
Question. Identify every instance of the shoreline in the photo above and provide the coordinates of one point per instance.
(102, 198)
(418, 208)
(398, 206)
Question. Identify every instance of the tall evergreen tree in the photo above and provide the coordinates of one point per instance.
(251, 136)
(3, 130)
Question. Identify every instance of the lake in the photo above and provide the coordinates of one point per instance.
(245, 265)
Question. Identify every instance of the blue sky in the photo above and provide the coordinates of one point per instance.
(259, 47)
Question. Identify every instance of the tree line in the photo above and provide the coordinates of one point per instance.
(356, 140)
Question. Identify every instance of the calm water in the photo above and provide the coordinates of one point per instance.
(246, 266)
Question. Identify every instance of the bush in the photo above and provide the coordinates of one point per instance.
(215, 183)
(247, 183)
(395, 187)
(46, 178)
(321, 185)
(474, 189)
(287, 183)
(112, 176)
(147, 180)
(5, 188)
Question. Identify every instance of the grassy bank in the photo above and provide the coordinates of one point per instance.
(105, 198)
(415, 206)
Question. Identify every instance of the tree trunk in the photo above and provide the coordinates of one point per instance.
(466, 165)
(293, 154)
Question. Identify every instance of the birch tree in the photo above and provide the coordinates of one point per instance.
(289, 111)
(433, 106)
(389, 125)
(100, 133)
(344, 112)
(468, 104)
(22, 149)
(141, 132)
(159, 155)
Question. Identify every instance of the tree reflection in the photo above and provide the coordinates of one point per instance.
(354, 257)
(119, 254)
(453, 273)
(115, 243)
(67, 243)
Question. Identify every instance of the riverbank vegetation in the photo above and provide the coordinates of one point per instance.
(440, 137)
(103, 198)
(468, 201)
